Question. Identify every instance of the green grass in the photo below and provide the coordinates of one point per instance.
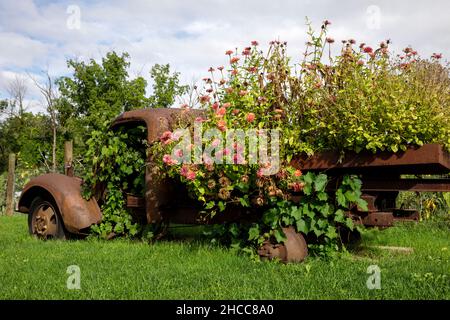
(119, 269)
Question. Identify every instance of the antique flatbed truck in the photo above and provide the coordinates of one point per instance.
(55, 206)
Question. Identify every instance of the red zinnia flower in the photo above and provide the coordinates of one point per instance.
(255, 43)
(368, 50)
(229, 52)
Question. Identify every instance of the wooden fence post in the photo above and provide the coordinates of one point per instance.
(10, 185)
(68, 157)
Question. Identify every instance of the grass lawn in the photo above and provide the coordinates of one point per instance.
(118, 269)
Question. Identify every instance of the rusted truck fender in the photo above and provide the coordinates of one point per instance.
(76, 212)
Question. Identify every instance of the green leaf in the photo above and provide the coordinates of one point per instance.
(320, 182)
(253, 233)
(279, 236)
(362, 204)
(341, 199)
(302, 227)
(322, 196)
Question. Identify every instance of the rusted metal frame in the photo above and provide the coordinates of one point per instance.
(427, 159)
(419, 185)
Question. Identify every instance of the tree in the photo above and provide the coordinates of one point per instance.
(17, 89)
(166, 86)
(29, 136)
(97, 93)
(3, 106)
(50, 95)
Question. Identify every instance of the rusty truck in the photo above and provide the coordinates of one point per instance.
(55, 206)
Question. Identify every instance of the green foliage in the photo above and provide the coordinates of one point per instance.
(166, 87)
(29, 136)
(315, 215)
(430, 205)
(96, 93)
(116, 161)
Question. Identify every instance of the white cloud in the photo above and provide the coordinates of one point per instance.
(193, 35)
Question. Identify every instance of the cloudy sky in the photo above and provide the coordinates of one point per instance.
(193, 35)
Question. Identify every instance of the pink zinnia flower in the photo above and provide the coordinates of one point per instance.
(229, 52)
(215, 106)
(329, 40)
(235, 111)
(255, 43)
(179, 153)
(234, 60)
(259, 173)
(191, 175)
(167, 159)
(184, 170)
(250, 117)
(226, 105)
(246, 52)
(222, 125)
(437, 56)
(234, 72)
(221, 111)
(220, 68)
(243, 93)
(204, 99)
(166, 135)
(215, 142)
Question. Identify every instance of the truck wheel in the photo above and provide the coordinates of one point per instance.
(44, 220)
(294, 249)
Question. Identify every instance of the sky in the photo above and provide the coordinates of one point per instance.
(193, 35)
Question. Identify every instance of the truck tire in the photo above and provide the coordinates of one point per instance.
(44, 220)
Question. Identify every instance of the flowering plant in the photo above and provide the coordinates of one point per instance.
(361, 99)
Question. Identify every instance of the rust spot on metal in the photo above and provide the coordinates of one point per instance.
(77, 213)
(427, 159)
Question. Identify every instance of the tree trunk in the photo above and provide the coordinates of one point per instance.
(54, 148)
(10, 185)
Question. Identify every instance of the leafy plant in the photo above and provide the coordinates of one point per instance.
(117, 167)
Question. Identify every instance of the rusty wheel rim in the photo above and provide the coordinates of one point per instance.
(45, 222)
